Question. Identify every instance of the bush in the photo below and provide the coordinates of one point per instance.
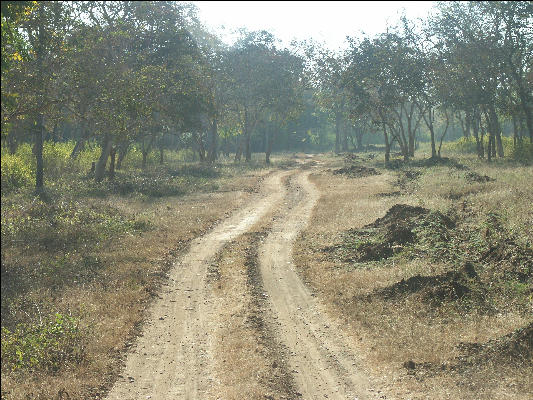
(45, 346)
(56, 158)
(522, 152)
(463, 145)
(16, 173)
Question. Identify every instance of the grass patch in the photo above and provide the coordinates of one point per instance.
(468, 282)
(80, 267)
(47, 346)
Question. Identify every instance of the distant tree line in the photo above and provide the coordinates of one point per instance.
(148, 74)
(468, 61)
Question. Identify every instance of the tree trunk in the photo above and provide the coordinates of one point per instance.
(432, 134)
(238, 150)
(337, 133)
(496, 131)
(411, 139)
(344, 136)
(411, 130)
(99, 170)
(38, 149)
(387, 145)
(429, 123)
(268, 150)
(112, 154)
(80, 144)
(527, 111)
(515, 130)
(482, 139)
(247, 146)
(475, 128)
(212, 152)
(468, 124)
(359, 138)
(145, 157)
(444, 133)
(12, 143)
(122, 151)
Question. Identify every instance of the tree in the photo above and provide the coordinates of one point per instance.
(32, 84)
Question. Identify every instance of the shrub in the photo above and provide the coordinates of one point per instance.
(16, 173)
(56, 157)
(463, 145)
(89, 154)
(522, 152)
(45, 346)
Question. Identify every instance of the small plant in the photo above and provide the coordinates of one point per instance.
(16, 173)
(523, 152)
(45, 346)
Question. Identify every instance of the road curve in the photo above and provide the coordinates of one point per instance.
(322, 363)
(172, 357)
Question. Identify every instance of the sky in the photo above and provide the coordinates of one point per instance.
(325, 21)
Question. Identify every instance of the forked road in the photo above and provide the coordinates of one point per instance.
(173, 359)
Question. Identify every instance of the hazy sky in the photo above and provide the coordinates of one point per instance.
(329, 21)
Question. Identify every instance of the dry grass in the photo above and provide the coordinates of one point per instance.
(111, 306)
(248, 359)
(391, 332)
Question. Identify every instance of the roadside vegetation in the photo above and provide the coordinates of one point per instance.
(432, 268)
(80, 265)
(124, 125)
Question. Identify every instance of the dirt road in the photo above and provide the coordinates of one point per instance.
(323, 365)
(173, 358)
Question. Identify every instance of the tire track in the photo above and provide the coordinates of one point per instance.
(172, 358)
(322, 363)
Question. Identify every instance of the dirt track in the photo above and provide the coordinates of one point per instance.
(173, 358)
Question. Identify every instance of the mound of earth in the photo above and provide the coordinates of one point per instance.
(514, 349)
(406, 176)
(406, 214)
(474, 177)
(350, 157)
(355, 171)
(435, 161)
(398, 163)
(388, 194)
(388, 234)
(435, 290)
(514, 261)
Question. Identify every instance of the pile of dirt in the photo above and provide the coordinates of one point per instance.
(435, 290)
(351, 157)
(514, 349)
(388, 234)
(436, 161)
(514, 261)
(474, 177)
(356, 171)
(399, 163)
(407, 176)
(388, 194)
(309, 164)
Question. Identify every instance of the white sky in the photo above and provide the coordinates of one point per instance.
(324, 21)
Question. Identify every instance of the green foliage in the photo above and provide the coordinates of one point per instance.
(463, 145)
(45, 346)
(16, 173)
(523, 152)
(56, 157)
(63, 224)
(90, 153)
